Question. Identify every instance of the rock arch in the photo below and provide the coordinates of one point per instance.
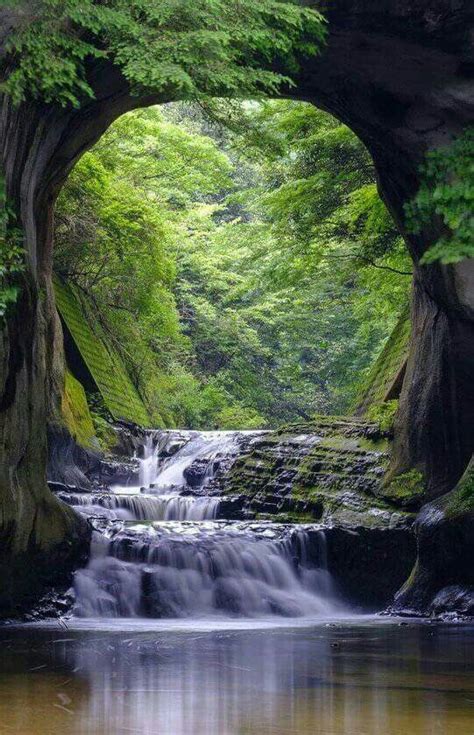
(400, 74)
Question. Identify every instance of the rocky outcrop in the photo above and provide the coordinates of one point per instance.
(91, 355)
(330, 470)
(385, 379)
(442, 582)
(45, 559)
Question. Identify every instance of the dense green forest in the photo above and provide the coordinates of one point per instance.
(239, 258)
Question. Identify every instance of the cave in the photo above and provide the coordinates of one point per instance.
(400, 75)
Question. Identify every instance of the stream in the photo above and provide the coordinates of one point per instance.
(186, 622)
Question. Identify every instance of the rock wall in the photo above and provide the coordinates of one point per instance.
(88, 350)
(442, 582)
(385, 379)
(331, 470)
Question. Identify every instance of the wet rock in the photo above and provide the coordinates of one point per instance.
(444, 572)
(454, 599)
(172, 447)
(369, 564)
(196, 472)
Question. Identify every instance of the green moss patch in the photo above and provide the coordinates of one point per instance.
(385, 377)
(461, 499)
(103, 362)
(407, 490)
(76, 414)
(384, 415)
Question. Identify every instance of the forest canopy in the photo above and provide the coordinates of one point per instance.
(173, 49)
(239, 257)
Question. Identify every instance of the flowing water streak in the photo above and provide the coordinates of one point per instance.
(144, 507)
(201, 449)
(201, 569)
(149, 461)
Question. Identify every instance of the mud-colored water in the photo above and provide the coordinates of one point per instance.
(355, 677)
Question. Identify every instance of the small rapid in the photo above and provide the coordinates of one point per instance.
(161, 547)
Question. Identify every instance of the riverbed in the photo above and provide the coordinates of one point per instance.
(352, 676)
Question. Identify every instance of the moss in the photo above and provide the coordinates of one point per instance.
(76, 414)
(407, 489)
(103, 362)
(290, 517)
(105, 433)
(325, 425)
(384, 414)
(355, 444)
(385, 373)
(461, 499)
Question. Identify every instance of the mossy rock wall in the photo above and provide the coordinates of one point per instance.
(385, 378)
(76, 414)
(103, 362)
(442, 581)
(330, 470)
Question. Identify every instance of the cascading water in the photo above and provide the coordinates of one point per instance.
(160, 549)
(144, 507)
(149, 461)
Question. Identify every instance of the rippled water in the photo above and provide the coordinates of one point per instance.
(360, 677)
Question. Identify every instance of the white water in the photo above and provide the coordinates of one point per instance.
(181, 562)
(146, 507)
(191, 570)
(149, 461)
(198, 446)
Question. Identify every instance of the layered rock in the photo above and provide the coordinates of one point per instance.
(331, 470)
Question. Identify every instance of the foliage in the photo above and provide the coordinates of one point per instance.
(11, 255)
(238, 257)
(301, 259)
(447, 192)
(173, 48)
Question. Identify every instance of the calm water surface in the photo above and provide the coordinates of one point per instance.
(355, 677)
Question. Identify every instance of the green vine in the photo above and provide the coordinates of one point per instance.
(200, 48)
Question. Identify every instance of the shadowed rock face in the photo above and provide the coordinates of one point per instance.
(400, 75)
(442, 582)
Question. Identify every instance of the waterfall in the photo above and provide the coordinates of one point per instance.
(149, 461)
(144, 507)
(187, 570)
(160, 551)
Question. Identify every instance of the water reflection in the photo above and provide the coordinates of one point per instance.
(350, 679)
